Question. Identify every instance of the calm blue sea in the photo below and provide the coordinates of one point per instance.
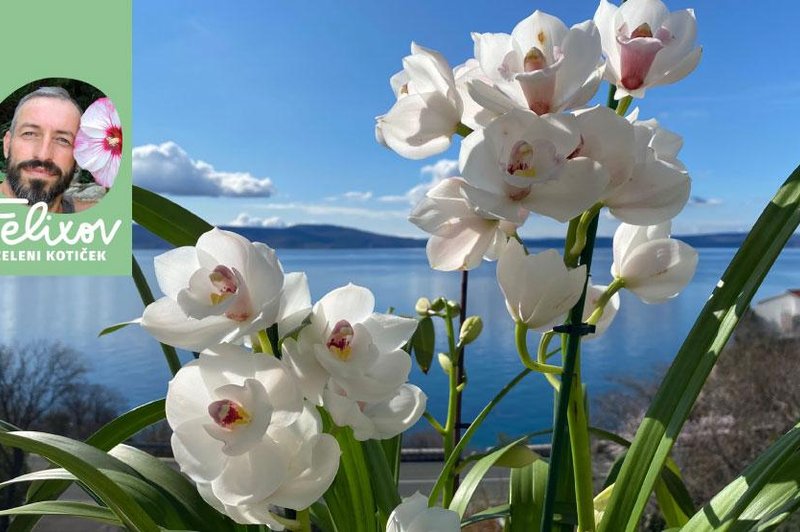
(642, 340)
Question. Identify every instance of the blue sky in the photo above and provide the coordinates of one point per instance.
(279, 98)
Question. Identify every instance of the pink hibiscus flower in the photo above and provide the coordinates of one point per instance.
(98, 146)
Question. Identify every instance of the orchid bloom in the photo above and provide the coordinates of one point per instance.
(646, 45)
(523, 162)
(222, 290)
(243, 434)
(538, 289)
(460, 235)
(652, 265)
(376, 420)
(593, 293)
(658, 187)
(348, 343)
(413, 515)
(98, 144)
(542, 66)
(428, 108)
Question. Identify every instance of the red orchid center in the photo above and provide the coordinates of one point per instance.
(340, 341)
(228, 414)
(225, 282)
(113, 140)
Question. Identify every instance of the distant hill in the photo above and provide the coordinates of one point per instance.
(335, 237)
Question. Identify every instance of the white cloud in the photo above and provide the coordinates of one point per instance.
(166, 168)
(436, 172)
(245, 220)
(353, 195)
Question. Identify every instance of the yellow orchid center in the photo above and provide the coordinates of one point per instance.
(225, 282)
(340, 341)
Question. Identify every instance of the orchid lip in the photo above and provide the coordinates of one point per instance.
(228, 414)
(340, 341)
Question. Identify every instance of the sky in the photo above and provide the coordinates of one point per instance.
(262, 112)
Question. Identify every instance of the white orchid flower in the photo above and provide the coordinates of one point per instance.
(646, 45)
(347, 342)
(593, 294)
(428, 108)
(379, 420)
(460, 235)
(221, 290)
(243, 434)
(413, 515)
(523, 162)
(542, 66)
(658, 187)
(652, 265)
(538, 289)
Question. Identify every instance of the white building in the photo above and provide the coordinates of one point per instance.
(782, 312)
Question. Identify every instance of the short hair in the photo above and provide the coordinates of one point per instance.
(59, 93)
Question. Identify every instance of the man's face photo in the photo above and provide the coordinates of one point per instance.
(39, 149)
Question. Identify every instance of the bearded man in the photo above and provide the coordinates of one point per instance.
(39, 150)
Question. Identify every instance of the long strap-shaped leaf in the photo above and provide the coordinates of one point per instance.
(71, 508)
(472, 479)
(56, 449)
(766, 486)
(697, 356)
(114, 432)
(167, 219)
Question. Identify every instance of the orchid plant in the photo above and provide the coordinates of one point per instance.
(290, 417)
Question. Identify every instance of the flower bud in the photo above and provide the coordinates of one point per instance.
(446, 363)
(454, 306)
(470, 330)
(438, 304)
(423, 306)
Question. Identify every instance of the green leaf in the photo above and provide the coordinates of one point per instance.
(693, 363)
(322, 518)
(71, 508)
(467, 436)
(146, 295)
(114, 432)
(423, 343)
(166, 219)
(761, 495)
(381, 478)
(471, 480)
(526, 494)
(110, 329)
(391, 448)
(495, 512)
(350, 498)
(672, 496)
(60, 450)
(518, 456)
(196, 511)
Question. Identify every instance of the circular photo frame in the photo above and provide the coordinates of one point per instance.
(62, 144)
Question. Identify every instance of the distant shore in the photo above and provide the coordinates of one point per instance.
(335, 237)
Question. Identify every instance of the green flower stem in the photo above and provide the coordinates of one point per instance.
(263, 340)
(612, 289)
(560, 436)
(622, 106)
(304, 520)
(463, 130)
(541, 358)
(581, 453)
(580, 232)
(450, 461)
(433, 422)
(452, 405)
(291, 524)
(521, 336)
